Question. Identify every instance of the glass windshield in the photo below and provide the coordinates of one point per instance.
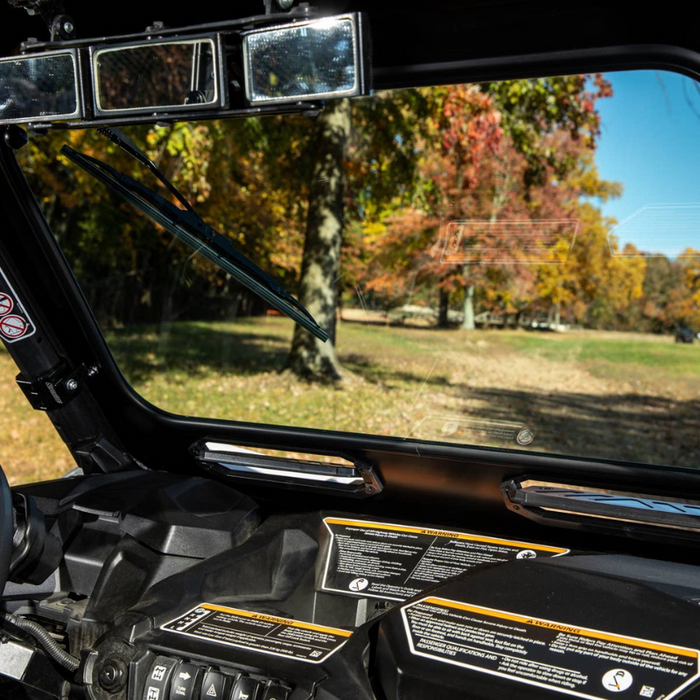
(510, 265)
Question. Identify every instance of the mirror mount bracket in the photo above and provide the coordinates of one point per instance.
(155, 28)
(273, 6)
(61, 27)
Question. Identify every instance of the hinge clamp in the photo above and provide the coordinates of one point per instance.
(57, 388)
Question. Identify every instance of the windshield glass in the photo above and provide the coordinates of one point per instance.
(511, 265)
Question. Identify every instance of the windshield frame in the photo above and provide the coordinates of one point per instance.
(411, 469)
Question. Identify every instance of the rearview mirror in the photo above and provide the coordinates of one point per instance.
(304, 61)
(145, 77)
(212, 71)
(44, 86)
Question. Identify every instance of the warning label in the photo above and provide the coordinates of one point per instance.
(13, 327)
(15, 323)
(6, 304)
(265, 634)
(574, 660)
(396, 562)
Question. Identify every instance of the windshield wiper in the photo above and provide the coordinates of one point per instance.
(190, 228)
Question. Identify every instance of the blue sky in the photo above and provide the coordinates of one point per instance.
(650, 141)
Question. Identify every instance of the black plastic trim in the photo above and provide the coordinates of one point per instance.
(613, 58)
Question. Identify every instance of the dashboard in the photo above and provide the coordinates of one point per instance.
(179, 588)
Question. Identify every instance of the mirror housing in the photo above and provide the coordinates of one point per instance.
(163, 75)
(320, 59)
(40, 87)
(261, 65)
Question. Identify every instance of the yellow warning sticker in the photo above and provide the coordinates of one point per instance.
(260, 632)
(396, 562)
(552, 654)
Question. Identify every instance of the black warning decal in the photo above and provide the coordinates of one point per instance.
(265, 634)
(396, 562)
(15, 323)
(574, 660)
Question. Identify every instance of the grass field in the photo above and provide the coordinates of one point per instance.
(597, 394)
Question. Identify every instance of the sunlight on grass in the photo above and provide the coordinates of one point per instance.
(30, 448)
(606, 395)
(600, 394)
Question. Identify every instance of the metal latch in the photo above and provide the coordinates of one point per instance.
(57, 388)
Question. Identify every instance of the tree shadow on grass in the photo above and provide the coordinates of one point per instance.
(377, 373)
(629, 427)
(196, 349)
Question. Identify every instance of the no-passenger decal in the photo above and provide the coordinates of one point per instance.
(15, 322)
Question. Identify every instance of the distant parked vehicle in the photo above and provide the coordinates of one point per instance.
(685, 335)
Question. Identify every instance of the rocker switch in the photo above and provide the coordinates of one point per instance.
(212, 686)
(159, 678)
(184, 681)
(245, 689)
(275, 691)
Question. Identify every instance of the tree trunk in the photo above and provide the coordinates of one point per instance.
(468, 323)
(443, 316)
(309, 357)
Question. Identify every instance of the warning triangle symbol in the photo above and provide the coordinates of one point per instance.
(212, 691)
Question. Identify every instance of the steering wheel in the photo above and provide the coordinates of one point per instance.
(6, 529)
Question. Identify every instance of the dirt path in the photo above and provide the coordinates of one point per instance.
(569, 409)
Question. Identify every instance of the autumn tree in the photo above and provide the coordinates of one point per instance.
(501, 152)
(672, 291)
(599, 278)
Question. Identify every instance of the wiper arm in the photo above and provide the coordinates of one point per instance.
(119, 138)
(190, 228)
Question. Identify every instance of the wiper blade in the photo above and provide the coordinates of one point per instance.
(191, 229)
